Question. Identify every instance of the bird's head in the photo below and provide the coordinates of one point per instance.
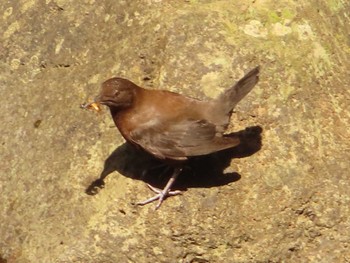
(117, 93)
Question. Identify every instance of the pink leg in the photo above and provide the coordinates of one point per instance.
(162, 194)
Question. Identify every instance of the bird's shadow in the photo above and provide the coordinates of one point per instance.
(202, 171)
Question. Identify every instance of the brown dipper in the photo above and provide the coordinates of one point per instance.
(170, 126)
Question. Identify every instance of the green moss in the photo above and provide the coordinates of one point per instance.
(288, 14)
(230, 28)
(335, 5)
(274, 17)
(279, 16)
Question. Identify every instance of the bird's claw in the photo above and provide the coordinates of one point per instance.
(160, 195)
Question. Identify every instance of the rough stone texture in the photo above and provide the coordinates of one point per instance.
(289, 201)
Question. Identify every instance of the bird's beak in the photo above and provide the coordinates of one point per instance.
(102, 99)
(98, 99)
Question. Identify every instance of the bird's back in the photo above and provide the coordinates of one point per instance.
(170, 125)
(173, 126)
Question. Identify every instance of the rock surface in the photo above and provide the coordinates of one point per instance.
(288, 202)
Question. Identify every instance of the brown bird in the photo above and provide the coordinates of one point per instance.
(170, 126)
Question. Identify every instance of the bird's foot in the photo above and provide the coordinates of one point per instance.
(160, 195)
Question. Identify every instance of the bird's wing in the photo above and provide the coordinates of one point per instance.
(178, 140)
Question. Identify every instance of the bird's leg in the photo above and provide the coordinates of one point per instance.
(162, 194)
(158, 191)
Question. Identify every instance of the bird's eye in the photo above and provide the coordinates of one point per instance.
(116, 93)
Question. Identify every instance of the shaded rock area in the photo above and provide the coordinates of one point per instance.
(286, 202)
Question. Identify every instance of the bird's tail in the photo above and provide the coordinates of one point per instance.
(229, 98)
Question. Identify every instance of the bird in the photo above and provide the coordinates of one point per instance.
(172, 127)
